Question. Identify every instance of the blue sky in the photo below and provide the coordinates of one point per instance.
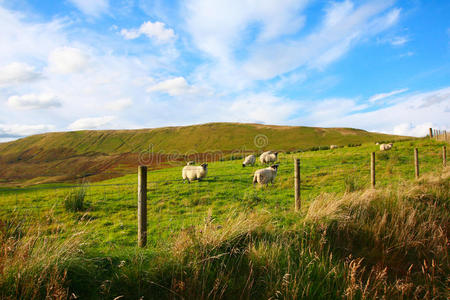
(102, 64)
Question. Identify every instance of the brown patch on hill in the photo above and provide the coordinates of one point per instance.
(28, 169)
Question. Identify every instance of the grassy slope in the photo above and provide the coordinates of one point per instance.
(201, 138)
(62, 156)
(264, 251)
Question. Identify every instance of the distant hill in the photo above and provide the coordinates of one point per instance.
(62, 156)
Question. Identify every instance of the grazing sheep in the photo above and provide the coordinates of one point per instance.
(264, 176)
(333, 146)
(249, 160)
(377, 143)
(385, 147)
(268, 157)
(194, 172)
(190, 163)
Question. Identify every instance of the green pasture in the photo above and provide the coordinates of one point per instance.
(111, 205)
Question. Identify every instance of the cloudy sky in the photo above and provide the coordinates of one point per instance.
(104, 64)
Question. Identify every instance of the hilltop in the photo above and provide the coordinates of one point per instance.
(62, 156)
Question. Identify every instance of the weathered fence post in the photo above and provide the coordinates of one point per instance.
(431, 133)
(142, 206)
(416, 161)
(297, 183)
(372, 169)
(444, 156)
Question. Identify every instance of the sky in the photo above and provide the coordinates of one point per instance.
(102, 64)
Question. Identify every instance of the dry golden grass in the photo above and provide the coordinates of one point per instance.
(32, 262)
(396, 238)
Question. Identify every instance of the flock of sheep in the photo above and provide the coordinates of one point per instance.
(261, 176)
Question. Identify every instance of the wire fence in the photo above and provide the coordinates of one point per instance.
(331, 173)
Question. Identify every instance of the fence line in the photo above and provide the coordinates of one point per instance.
(304, 166)
(439, 135)
(310, 169)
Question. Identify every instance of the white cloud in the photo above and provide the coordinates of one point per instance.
(156, 31)
(174, 87)
(409, 129)
(23, 39)
(416, 110)
(67, 60)
(33, 101)
(317, 113)
(396, 41)
(249, 41)
(91, 7)
(90, 123)
(219, 26)
(20, 130)
(381, 96)
(343, 26)
(399, 41)
(119, 104)
(261, 108)
(17, 72)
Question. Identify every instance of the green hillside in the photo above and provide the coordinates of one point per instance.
(62, 156)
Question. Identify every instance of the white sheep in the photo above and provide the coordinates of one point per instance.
(249, 160)
(384, 147)
(194, 172)
(268, 157)
(333, 146)
(264, 176)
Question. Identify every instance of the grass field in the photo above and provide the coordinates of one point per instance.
(204, 222)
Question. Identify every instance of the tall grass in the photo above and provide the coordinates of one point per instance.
(389, 243)
(395, 239)
(33, 264)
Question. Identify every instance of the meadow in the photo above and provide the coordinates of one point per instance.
(225, 238)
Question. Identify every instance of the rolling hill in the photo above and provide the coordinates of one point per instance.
(101, 154)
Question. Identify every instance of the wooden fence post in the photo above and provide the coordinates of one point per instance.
(431, 133)
(372, 169)
(142, 206)
(297, 183)
(444, 156)
(416, 162)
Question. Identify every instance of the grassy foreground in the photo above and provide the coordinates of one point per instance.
(224, 239)
(388, 243)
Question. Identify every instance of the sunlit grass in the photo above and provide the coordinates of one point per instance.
(172, 205)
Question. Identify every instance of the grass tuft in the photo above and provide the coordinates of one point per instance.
(74, 200)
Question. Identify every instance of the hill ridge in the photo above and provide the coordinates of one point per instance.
(66, 155)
